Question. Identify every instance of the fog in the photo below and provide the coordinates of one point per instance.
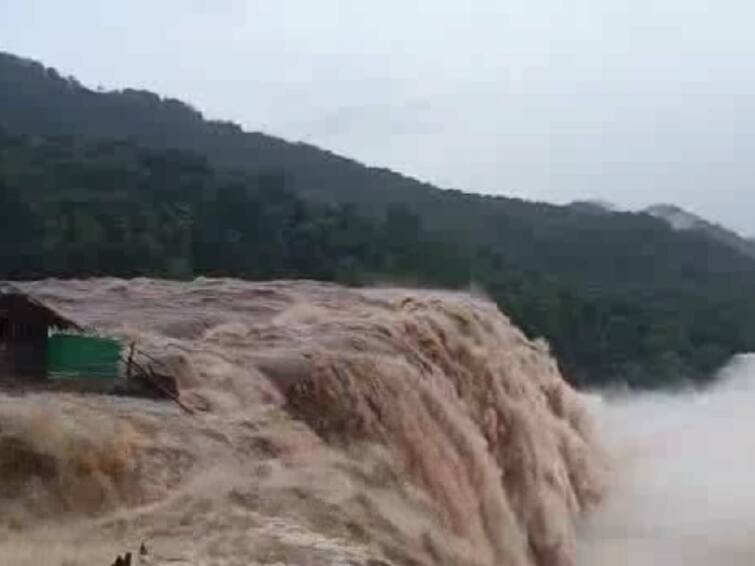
(682, 489)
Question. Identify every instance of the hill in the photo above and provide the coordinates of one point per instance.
(38, 101)
(129, 183)
(680, 219)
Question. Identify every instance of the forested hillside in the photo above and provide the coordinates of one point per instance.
(37, 100)
(127, 183)
(82, 208)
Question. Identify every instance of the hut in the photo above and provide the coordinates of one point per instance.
(38, 343)
(41, 346)
(25, 327)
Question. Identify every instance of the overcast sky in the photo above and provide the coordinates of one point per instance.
(629, 101)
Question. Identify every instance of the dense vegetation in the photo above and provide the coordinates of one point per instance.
(619, 296)
(84, 208)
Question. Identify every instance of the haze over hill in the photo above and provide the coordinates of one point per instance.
(680, 219)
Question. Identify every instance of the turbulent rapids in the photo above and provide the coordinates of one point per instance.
(331, 426)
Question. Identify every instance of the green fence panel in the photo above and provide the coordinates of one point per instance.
(77, 356)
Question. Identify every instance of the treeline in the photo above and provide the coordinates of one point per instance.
(76, 208)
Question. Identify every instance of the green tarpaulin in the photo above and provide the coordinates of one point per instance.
(75, 356)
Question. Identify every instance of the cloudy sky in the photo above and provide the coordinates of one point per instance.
(629, 101)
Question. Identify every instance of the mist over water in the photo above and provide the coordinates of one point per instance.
(683, 476)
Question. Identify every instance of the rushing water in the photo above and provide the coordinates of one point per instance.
(332, 427)
(365, 428)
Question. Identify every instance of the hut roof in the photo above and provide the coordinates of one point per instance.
(16, 304)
